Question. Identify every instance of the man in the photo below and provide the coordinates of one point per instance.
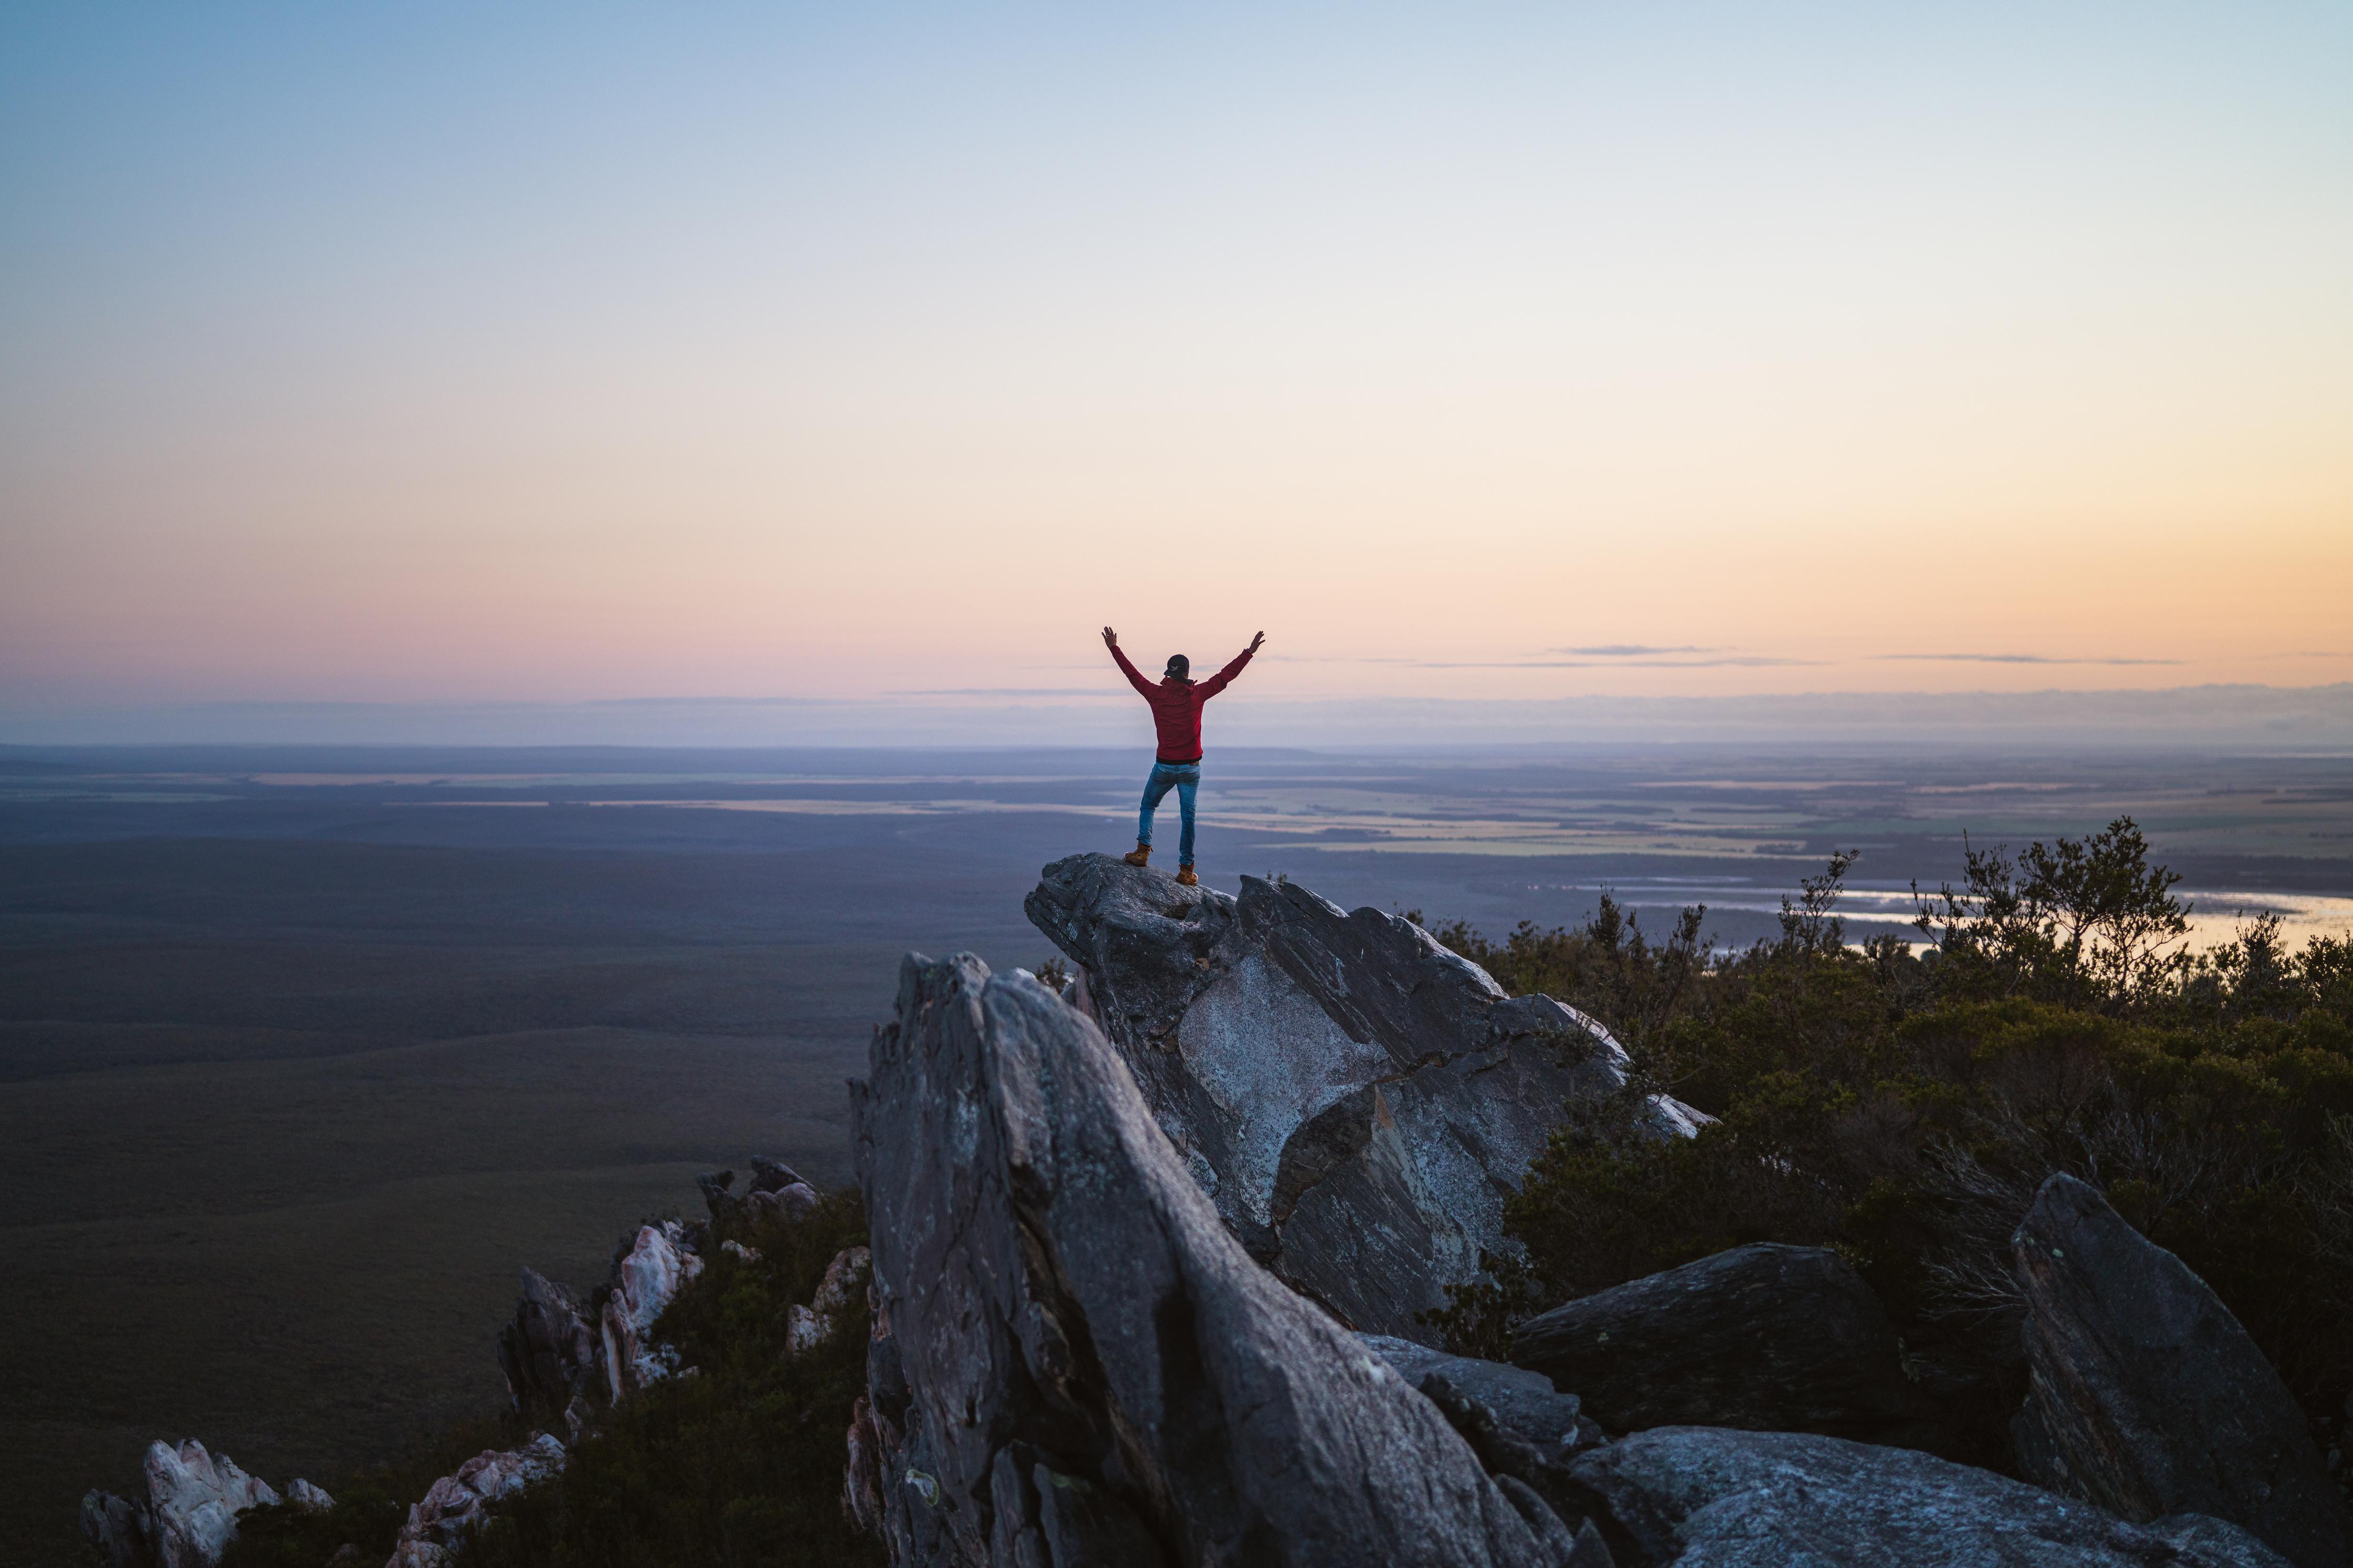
(1176, 714)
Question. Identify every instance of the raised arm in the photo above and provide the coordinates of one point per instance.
(1225, 677)
(1111, 641)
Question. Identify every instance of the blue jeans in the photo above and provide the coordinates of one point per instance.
(1185, 778)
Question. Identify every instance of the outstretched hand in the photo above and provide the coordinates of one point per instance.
(1111, 638)
(1254, 641)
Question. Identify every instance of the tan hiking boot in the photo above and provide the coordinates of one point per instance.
(1184, 878)
(1139, 856)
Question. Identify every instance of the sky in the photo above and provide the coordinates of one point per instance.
(433, 354)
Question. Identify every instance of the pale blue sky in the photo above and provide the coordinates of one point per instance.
(566, 352)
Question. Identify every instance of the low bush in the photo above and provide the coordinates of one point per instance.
(1903, 1109)
(736, 1463)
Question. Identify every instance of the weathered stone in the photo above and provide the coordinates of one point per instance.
(1522, 1403)
(2147, 1397)
(117, 1530)
(718, 1195)
(454, 1504)
(1057, 1299)
(1767, 1337)
(774, 1175)
(1522, 1428)
(867, 1460)
(190, 1515)
(776, 1189)
(843, 1287)
(547, 1352)
(1355, 1100)
(1710, 1498)
(781, 1203)
(645, 1279)
(309, 1499)
(844, 1284)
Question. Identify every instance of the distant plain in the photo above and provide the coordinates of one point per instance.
(304, 1050)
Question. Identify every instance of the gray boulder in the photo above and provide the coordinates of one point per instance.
(1522, 1428)
(1075, 1362)
(1523, 1403)
(1767, 1337)
(1355, 1100)
(2147, 1397)
(1708, 1497)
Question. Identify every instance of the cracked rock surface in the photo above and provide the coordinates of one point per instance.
(1074, 1362)
(1357, 1100)
(2148, 1396)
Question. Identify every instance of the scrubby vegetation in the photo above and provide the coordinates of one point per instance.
(738, 1462)
(1903, 1108)
(370, 1504)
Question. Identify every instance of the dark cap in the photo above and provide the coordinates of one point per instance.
(1180, 667)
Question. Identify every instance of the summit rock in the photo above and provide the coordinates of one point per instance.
(1357, 1100)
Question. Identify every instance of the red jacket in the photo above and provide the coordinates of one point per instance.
(1177, 705)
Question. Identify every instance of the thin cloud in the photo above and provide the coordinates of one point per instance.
(1626, 651)
(1013, 691)
(1335, 658)
(2011, 658)
(1737, 661)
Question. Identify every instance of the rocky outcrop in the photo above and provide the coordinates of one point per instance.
(190, 1515)
(645, 1279)
(453, 1505)
(1075, 1362)
(309, 1499)
(2146, 1396)
(842, 1287)
(1724, 1499)
(1356, 1100)
(1768, 1337)
(547, 1352)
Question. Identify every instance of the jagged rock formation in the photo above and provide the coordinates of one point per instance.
(454, 1504)
(1697, 1495)
(1355, 1100)
(2147, 1397)
(548, 1351)
(1079, 1364)
(190, 1515)
(1766, 1337)
(645, 1279)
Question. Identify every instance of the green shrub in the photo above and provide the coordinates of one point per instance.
(1903, 1110)
(739, 1462)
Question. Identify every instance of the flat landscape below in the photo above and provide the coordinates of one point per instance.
(303, 1052)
